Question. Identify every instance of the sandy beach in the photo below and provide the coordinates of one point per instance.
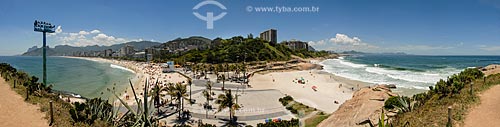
(329, 88)
(17, 113)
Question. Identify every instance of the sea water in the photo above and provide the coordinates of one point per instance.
(410, 73)
(84, 77)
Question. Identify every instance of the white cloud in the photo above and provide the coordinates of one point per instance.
(342, 42)
(83, 32)
(85, 38)
(489, 48)
(312, 43)
(58, 30)
(95, 31)
(344, 39)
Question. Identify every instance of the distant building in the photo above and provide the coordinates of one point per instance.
(139, 55)
(108, 53)
(296, 45)
(270, 35)
(127, 50)
(311, 48)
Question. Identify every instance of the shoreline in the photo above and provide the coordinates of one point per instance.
(136, 80)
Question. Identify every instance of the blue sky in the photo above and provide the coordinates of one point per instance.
(427, 27)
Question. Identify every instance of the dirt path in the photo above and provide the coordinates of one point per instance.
(486, 114)
(14, 112)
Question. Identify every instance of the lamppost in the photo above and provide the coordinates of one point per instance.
(44, 27)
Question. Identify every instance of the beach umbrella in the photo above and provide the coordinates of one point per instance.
(314, 87)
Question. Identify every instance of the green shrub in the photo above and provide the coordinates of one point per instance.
(392, 102)
(285, 100)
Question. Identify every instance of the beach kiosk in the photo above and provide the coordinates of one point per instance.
(168, 67)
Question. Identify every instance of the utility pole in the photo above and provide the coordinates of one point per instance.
(45, 28)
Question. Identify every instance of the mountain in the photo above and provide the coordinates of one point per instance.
(62, 50)
(184, 44)
(353, 52)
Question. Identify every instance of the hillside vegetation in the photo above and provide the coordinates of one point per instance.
(431, 108)
(239, 49)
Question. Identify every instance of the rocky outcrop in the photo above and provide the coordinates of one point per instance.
(365, 106)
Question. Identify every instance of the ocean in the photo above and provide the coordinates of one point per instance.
(410, 73)
(84, 77)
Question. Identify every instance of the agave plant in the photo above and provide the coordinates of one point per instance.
(92, 110)
(140, 117)
(405, 105)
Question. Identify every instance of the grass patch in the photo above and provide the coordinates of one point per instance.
(296, 107)
(316, 119)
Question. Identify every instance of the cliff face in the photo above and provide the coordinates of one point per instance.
(366, 103)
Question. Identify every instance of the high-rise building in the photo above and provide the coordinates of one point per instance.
(296, 45)
(108, 53)
(270, 35)
(127, 50)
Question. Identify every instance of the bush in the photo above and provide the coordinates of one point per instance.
(392, 102)
(285, 100)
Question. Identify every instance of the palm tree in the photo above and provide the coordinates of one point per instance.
(206, 69)
(190, 90)
(180, 93)
(232, 68)
(223, 80)
(227, 100)
(216, 72)
(209, 86)
(170, 91)
(155, 94)
(226, 68)
(207, 95)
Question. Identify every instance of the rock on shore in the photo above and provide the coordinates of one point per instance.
(365, 104)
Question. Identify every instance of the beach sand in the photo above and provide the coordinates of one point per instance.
(17, 113)
(328, 87)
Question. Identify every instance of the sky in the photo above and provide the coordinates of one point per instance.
(424, 27)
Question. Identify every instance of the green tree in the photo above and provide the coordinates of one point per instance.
(227, 100)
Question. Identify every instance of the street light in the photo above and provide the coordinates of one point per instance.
(44, 27)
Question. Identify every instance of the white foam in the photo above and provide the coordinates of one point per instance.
(120, 67)
(377, 75)
(341, 61)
